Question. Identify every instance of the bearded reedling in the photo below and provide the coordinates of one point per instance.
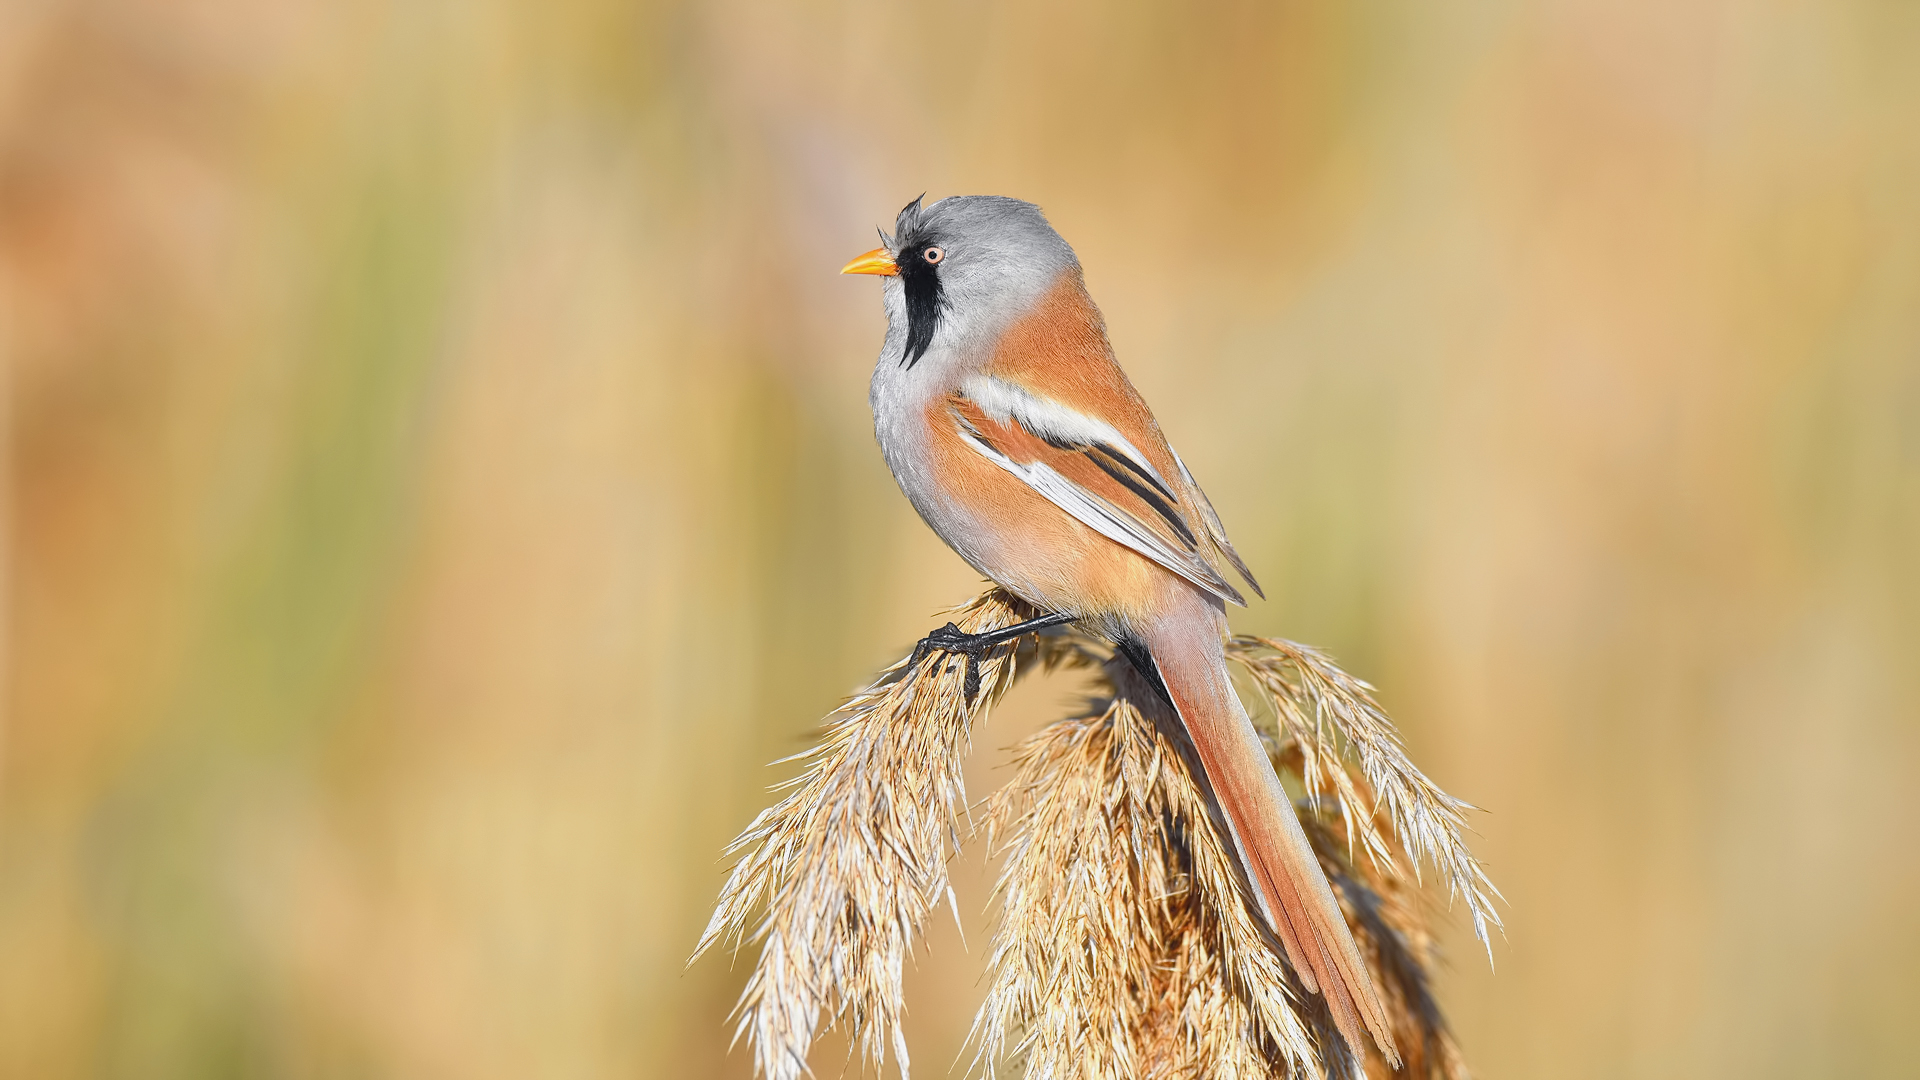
(1009, 425)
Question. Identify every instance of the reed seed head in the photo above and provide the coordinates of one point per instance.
(1128, 944)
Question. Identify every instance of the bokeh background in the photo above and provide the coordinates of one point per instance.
(439, 479)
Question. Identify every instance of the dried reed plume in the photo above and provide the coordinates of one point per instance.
(1320, 709)
(1127, 945)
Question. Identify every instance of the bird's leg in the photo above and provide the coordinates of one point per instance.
(974, 647)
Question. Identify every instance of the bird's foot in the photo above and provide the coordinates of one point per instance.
(951, 639)
(975, 647)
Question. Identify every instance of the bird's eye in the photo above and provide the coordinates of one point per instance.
(933, 255)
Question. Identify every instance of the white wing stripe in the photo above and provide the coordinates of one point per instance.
(1003, 401)
(1102, 517)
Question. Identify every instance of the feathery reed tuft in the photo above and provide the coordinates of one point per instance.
(1124, 948)
(1319, 709)
(1128, 943)
(845, 869)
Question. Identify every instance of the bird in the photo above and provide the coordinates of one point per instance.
(1005, 417)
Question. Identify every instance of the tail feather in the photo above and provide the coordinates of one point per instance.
(1280, 864)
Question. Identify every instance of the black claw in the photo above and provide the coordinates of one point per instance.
(946, 639)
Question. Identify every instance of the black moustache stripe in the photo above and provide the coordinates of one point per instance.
(925, 300)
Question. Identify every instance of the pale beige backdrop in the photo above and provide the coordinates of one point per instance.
(440, 478)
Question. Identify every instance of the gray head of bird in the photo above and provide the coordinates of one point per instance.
(959, 271)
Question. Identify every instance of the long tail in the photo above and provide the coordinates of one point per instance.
(1293, 892)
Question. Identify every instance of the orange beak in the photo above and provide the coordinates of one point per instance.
(876, 261)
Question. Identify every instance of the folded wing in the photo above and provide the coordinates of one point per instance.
(1091, 470)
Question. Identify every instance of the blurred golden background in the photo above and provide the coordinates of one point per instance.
(440, 479)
